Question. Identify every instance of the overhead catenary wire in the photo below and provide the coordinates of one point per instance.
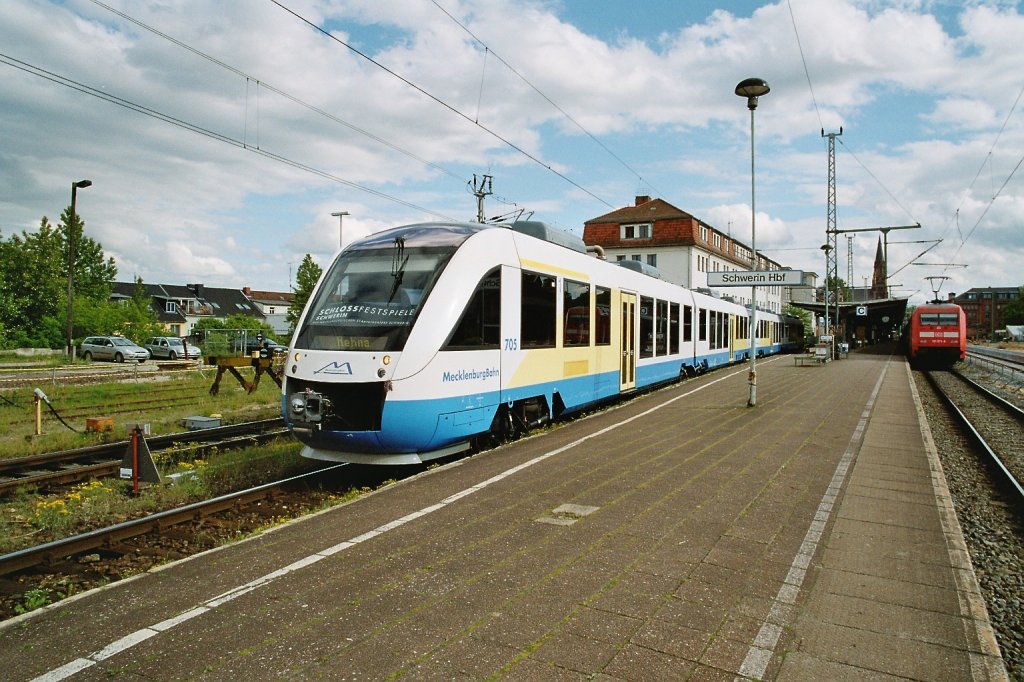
(524, 79)
(260, 84)
(440, 101)
(220, 137)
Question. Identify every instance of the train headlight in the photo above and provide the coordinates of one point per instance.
(298, 404)
(386, 360)
(381, 372)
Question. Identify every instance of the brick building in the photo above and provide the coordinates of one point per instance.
(682, 247)
(984, 308)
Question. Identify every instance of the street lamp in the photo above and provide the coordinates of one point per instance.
(75, 186)
(340, 216)
(752, 88)
(826, 248)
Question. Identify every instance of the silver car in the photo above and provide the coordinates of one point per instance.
(171, 347)
(116, 348)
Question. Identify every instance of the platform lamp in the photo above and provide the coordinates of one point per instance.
(826, 248)
(752, 88)
(340, 215)
(75, 186)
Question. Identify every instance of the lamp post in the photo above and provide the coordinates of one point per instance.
(752, 88)
(75, 186)
(340, 216)
(827, 248)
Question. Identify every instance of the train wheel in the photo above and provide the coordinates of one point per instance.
(503, 426)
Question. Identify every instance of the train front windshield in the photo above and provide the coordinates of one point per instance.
(373, 291)
(939, 319)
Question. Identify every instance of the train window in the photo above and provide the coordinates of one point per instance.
(576, 309)
(661, 329)
(687, 323)
(480, 326)
(370, 297)
(646, 327)
(936, 319)
(673, 328)
(602, 316)
(538, 312)
(702, 324)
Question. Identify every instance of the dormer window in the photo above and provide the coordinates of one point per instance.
(636, 231)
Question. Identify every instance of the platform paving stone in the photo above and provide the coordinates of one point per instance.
(805, 539)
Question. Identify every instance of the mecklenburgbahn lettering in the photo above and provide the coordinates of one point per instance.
(470, 374)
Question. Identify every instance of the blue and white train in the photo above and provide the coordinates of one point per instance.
(420, 339)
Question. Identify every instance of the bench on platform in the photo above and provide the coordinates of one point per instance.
(809, 358)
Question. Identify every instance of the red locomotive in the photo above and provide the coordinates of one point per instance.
(938, 335)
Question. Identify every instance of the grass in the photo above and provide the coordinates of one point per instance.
(162, 403)
(31, 519)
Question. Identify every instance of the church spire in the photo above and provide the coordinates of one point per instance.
(879, 287)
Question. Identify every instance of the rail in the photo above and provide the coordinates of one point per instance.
(1009, 464)
(104, 459)
(1006, 363)
(57, 550)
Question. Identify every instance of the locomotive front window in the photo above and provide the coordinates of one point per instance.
(370, 297)
(939, 319)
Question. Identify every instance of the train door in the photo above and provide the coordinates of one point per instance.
(627, 365)
(731, 336)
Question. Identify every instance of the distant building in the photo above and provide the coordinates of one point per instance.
(983, 307)
(274, 306)
(179, 307)
(683, 248)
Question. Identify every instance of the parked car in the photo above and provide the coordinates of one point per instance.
(116, 348)
(266, 348)
(171, 347)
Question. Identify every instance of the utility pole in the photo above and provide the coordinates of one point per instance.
(831, 252)
(481, 190)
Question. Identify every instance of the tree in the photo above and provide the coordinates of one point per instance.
(93, 274)
(306, 278)
(846, 294)
(1013, 312)
(34, 282)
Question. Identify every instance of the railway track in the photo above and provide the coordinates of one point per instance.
(69, 466)
(112, 540)
(994, 424)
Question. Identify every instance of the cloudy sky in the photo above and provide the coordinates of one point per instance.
(220, 135)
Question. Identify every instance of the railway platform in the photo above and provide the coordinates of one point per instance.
(681, 536)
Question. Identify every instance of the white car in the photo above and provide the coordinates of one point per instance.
(171, 347)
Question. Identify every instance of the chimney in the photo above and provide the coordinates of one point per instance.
(641, 199)
(952, 296)
(196, 289)
(247, 291)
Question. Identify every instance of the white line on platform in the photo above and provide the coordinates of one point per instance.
(761, 651)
